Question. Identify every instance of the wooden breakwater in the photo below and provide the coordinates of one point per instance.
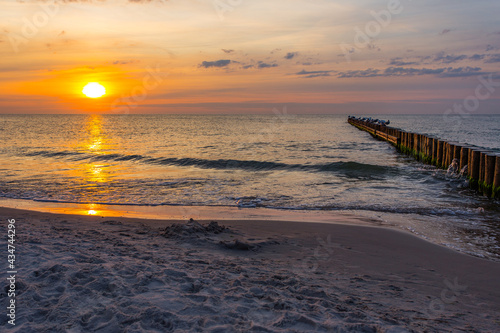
(481, 166)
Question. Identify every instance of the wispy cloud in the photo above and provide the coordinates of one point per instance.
(462, 72)
(477, 57)
(490, 47)
(291, 55)
(442, 58)
(370, 72)
(409, 71)
(312, 74)
(401, 62)
(449, 58)
(124, 62)
(494, 58)
(217, 63)
(445, 31)
(266, 65)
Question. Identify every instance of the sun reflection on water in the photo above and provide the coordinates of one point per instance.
(94, 176)
(93, 209)
(96, 136)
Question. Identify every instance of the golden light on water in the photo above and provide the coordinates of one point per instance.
(91, 209)
(97, 142)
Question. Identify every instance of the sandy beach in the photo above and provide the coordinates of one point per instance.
(98, 274)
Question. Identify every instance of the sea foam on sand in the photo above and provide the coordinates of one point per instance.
(92, 274)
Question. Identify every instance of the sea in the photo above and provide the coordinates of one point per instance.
(277, 163)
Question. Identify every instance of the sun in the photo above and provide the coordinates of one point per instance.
(94, 90)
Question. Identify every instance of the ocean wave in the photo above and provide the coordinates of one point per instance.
(348, 168)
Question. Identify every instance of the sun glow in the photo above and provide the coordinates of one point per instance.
(94, 90)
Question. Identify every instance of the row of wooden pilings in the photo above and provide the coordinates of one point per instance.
(483, 167)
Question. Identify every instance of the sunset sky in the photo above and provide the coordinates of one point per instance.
(249, 56)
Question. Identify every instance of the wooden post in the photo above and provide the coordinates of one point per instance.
(434, 150)
(423, 145)
(489, 173)
(496, 178)
(416, 144)
(412, 141)
(475, 157)
(464, 157)
(457, 152)
(430, 149)
(452, 153)
(446, 153)
(482, 171)
(469, 162)
(425, 148)
(449, 156)
(440, 154)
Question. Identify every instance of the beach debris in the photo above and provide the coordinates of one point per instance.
(238, 245)
(192, 228)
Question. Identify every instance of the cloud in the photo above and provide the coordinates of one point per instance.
(461, 72)
(290, 55)
(441, 57)
(265, 65)
(400, 62)
(477, 57)
(490, 48)
(408, 71)
(444, 72)
(227, 51)
(218, 63)
(449, 59)
(494, 58)
(312, 74)
(359, 73)
(124, 62)
(445, 31)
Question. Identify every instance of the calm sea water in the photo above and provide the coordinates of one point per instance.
(274, 161)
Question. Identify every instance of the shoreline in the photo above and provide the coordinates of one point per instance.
(178, 212)
(408, 223)
(294, 277)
